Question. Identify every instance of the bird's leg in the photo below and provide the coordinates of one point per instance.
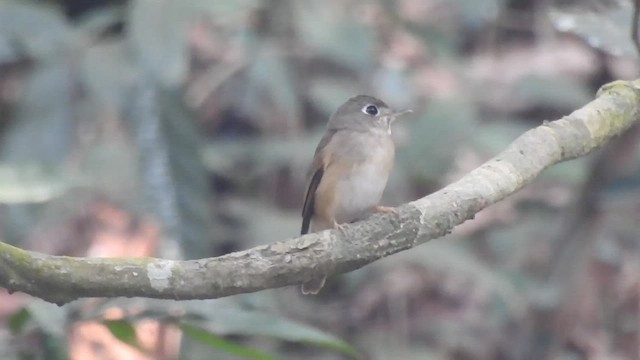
(385, 209)
(338, 226)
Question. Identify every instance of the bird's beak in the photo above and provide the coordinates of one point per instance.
(401, 112)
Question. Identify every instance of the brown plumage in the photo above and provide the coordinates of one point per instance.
(350, 168)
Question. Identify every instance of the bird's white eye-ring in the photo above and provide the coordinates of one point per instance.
(370, 110)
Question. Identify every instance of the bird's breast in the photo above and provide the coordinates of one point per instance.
(362, 187)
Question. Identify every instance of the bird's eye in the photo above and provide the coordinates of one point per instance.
(370, 110)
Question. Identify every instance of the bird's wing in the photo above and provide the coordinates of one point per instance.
(309, 200)
(320, 161)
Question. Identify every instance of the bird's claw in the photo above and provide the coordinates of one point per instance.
(385, 209)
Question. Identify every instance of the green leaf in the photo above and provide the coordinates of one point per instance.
(224, 317)
(55, 347)
(172, 171)
(8, 348)
(40, 132)
(559, 91)
(452, 257)
(99, 20)
(31, 183)
(108, 166)
(232, 320)
(342, 38)
(262, 223)
(226, 13)
(109, 74)
(124, 331)
(43, 126)
(158, 36)
(437, 132)
(329, 93)
(37, 29)
(223, 156)
(51, 318)
(217, 342)
(491, 138)
(604, 26)
(18, 320)
(478, 13)
(270, 76)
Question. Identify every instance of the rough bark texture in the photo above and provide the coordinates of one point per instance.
(61, 279)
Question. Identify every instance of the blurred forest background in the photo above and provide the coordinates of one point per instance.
(183, 129)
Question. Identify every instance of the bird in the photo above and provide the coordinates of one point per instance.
(350, 169)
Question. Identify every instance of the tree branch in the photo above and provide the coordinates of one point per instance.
(60, 279)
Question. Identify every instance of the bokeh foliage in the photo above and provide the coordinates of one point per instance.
(198, 118)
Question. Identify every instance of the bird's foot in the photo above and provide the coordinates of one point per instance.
(338, 226)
